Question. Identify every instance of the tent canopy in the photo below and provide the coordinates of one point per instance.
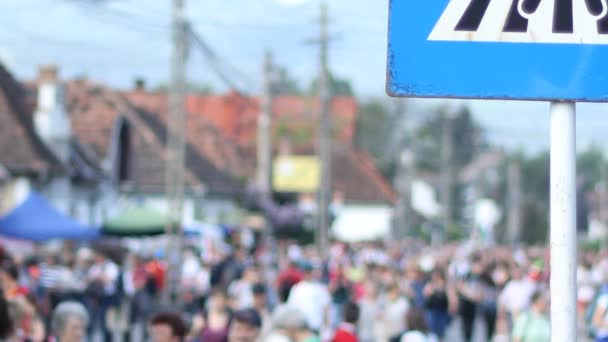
(136, 221)
(35, 219)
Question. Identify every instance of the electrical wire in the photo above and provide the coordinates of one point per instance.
(218, 65)
(41, 38)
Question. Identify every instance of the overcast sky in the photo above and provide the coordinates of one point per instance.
(116, 41)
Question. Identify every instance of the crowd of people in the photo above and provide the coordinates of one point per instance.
(368, 292)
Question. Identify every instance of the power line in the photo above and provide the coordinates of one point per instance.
(41, 38)
(217, 64)
(112, 17)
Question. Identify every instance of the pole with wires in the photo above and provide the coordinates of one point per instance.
(175, 154)
(264, 144)
(325, 132)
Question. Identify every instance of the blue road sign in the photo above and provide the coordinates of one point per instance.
(499, 49)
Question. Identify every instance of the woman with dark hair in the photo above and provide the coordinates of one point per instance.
(212, 324)
(417, 327)
(437, 303)
(7, 328)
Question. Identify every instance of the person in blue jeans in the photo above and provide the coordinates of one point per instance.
(437, 304)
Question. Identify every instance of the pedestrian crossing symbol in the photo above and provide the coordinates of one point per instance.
(525, 21)
(499, 49)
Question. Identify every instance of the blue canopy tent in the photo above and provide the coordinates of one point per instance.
(36, 220)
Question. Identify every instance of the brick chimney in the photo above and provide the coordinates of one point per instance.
(51, 119)
(48, 74)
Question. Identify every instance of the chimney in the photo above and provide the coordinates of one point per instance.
(140, 84)
(48, 74)
(51, 119)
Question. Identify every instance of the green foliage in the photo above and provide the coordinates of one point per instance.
(455, 233)
(535, 187)
(338, 86)
(467, 140)
(301, 135)
(379, 132)
(592, 245)
(535, 224)
(420, 232)
(590, 164)
(285, 84)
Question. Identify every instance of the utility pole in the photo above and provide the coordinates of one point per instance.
(264, 144)
(176, 140)
(265, 129)
(514, 203)
(325, 130)
(405, 212)
(446, 170)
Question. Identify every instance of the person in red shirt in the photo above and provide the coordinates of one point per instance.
(287, 279)
(157, 271)
(347, 331)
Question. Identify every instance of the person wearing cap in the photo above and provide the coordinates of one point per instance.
(312, 298)
(245, 326)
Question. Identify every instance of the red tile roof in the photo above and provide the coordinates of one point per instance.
(215, 121)
(21, 150)
(94, 110)
(223, 152)
(236, 115)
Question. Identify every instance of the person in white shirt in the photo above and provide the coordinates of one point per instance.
(242, 290)
(102, 280)
(393, 311)
(516, 295)
(312, 298)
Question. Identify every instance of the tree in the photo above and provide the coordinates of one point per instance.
(338, 86)
(284, 83)
(467, 139)
(535, 206)
(590, 165)
(379, 133)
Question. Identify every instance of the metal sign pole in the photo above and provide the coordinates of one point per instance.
(563, 222)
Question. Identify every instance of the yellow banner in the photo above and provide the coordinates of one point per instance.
(296, 174)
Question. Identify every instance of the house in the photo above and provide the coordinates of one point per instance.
(128, 140)
(229, 138)
(38, 151)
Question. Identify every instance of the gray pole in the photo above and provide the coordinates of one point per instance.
(264, 143)
(175, 152)
(405, 211)
(265, 129)
(325, 131)
(446, 171)
(514, 203)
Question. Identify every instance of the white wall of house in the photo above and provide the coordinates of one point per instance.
(363, 222)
